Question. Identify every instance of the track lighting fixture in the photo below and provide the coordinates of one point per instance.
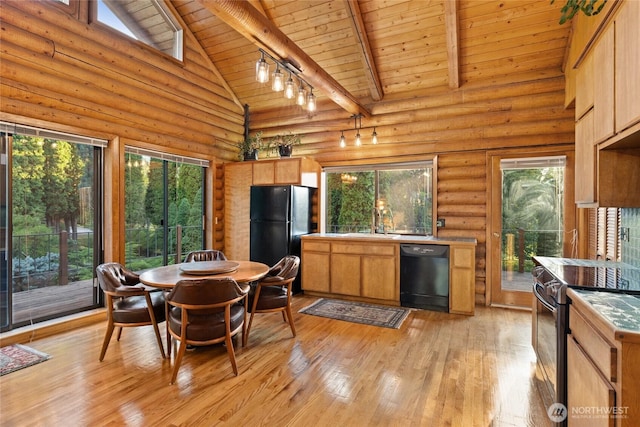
(357, 126)
(302, 98)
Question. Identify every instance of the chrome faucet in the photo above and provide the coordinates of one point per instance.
(375, 220)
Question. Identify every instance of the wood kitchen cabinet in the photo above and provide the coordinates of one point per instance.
(317, 262)
(365, 270)
(462, 262)
(368, 269)
(292, 171)
(589, 389)
(585, 186)
(608, 114)
(603, 372)
(237, 186)
(238, 179)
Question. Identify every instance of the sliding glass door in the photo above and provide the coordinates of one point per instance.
(51, 202)
(164, 209)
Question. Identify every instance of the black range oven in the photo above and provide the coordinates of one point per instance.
(551, 277)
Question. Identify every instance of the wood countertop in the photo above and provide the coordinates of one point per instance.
(394, 238)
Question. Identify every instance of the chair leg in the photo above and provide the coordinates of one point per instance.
(152, 317)
(245, 336)
(107, 338)
(290, 316)
(119, 333)
(176, 366)
(231, 353)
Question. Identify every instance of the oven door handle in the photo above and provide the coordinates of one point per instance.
(538, 291)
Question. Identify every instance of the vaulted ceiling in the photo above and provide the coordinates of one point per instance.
(359, 53)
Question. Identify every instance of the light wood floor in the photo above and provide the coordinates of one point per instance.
(436, 370)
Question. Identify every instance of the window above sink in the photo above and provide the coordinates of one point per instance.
(379, 200)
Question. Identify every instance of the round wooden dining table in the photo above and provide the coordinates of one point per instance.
(167, 276)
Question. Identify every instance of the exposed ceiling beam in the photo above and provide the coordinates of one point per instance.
(453, 47)
(248, 21)
(371, 72)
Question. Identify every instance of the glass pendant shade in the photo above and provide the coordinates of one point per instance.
(262, 70)
(311, 102)
(302, 96)
(358, 140)
(343, 143)
(278, 80)
(374, 137)
(289, 88)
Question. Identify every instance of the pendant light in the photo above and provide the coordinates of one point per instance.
(343, 143)
(358, 140)
(311, 102)
(262, 70)
(374, 137)
(289, 88)
(278, 80)
(302, 95)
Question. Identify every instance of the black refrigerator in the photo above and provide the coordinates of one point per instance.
(280, 214)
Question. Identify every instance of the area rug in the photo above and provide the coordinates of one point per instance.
(17, 356)
(358, 312)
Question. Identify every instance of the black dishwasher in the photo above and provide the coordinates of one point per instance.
(424, 276)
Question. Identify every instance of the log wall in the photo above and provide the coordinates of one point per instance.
(66, 74)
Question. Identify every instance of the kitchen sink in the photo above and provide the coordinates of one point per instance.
(370, 235)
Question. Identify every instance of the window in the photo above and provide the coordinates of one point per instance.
(383, 199)
(164, 207)
(144, 20)
(51, 228)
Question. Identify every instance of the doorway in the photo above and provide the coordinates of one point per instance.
(530, 218)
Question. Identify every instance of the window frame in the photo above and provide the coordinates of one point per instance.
(422, 164)
(170, 15)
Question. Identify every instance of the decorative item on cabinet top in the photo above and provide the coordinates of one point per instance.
(249, 147)
(284, 143)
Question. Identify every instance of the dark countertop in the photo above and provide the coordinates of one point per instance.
(393, 238)
(591, 274)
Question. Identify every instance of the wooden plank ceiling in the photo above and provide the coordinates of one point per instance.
(359, 53)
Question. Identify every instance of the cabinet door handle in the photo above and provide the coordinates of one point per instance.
(496, 234)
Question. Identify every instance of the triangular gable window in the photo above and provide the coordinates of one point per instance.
(145, 20)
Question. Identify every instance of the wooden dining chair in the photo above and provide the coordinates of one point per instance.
(205, 255)
(129, 303)
(204, 312)
(272, 293)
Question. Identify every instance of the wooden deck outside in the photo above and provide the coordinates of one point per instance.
(45, 302)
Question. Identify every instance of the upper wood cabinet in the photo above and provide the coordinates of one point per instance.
(608, 114)
(627, 65)
(293, 171)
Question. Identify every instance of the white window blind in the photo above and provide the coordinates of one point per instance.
(13, 128)
(168, 157)
(533, 162)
